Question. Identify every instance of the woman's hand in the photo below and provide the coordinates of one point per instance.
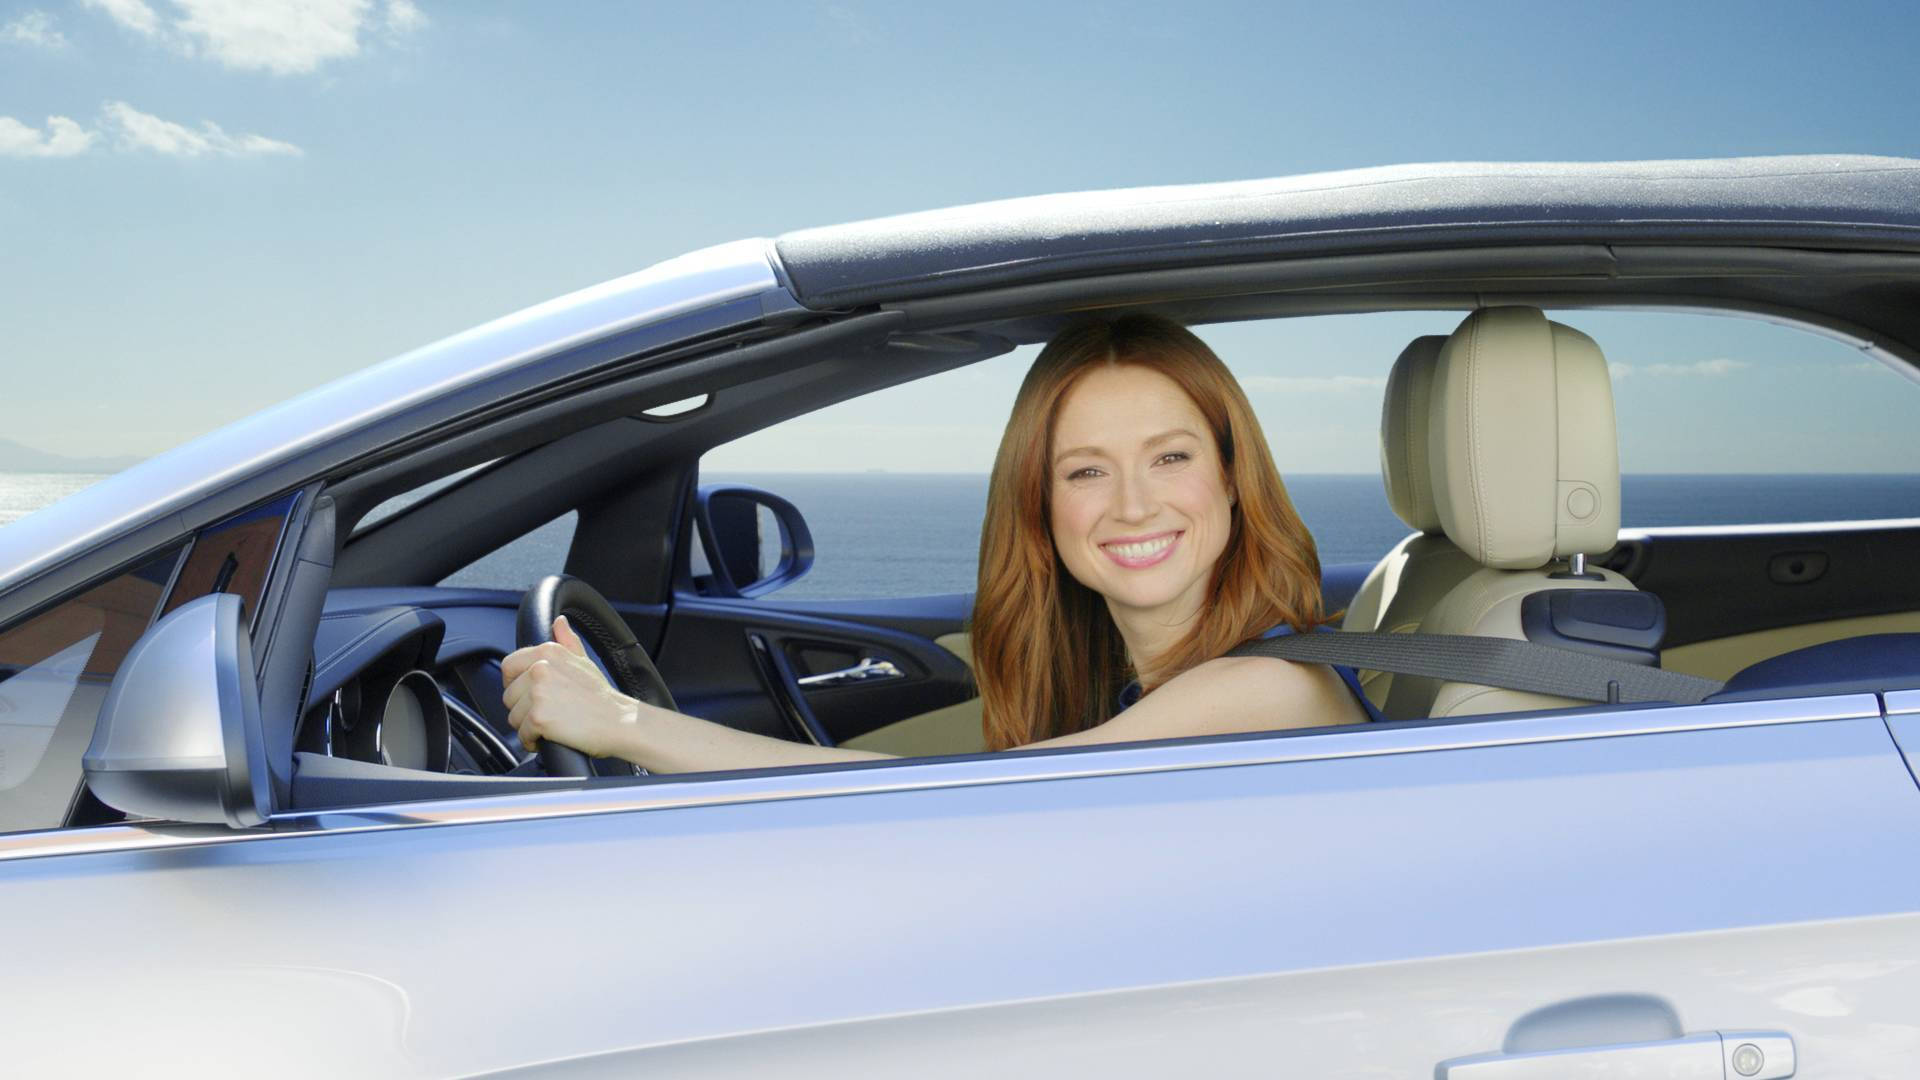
(553, 691)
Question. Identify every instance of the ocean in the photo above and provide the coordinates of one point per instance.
(23, 493)
(903, 534)
(897, 534)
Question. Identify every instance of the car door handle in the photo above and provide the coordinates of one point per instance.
(869, 669)
(1711, 1055)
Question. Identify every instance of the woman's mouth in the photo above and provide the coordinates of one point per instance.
(1136, 553)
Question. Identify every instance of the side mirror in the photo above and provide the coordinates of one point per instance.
(754, 541)
(179, 734)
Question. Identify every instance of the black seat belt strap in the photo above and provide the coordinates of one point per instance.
(1489, 661)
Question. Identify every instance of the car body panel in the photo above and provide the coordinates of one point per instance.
(1845, 989)
(611, 932)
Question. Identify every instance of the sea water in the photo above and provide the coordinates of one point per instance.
(23, 493)
(894, 534)
(903, 534)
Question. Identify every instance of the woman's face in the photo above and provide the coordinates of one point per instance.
(1141, 507)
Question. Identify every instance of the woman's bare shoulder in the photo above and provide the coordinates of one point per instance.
(1257, 693)
(1258, 677)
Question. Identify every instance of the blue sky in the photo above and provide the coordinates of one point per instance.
(245, 199)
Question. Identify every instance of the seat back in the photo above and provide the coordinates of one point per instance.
(1525, 471)
(1425, 566)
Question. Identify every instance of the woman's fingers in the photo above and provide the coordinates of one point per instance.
(515, 691)
(521, 717)
(515, 663)
(552, 691)
(563, 633)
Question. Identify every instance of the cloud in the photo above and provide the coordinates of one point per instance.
(1310, 384)
(404, 17)
(135, 15)
(135, 130)
(34, 28)
(1702, 368)
(62, 138)
(284, 37)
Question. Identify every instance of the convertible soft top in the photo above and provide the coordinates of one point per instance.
(1846, 202)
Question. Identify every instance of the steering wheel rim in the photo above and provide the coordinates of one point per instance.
(602, 628)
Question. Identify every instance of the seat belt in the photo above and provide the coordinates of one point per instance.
(1489, 661)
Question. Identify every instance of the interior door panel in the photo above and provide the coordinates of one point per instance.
(1735, 596)
(769, 670)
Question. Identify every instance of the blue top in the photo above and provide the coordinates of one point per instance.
(1130, 693)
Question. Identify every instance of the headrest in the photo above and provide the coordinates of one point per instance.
(1526, 462)
(1403, 434)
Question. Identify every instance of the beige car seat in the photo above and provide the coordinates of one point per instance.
(1525, 471)
(1425, 566)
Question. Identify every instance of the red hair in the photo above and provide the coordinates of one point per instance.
(1047, 655)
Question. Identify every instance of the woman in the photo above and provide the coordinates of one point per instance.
(1133, 463)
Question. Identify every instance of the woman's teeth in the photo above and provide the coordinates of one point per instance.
(1145, 549)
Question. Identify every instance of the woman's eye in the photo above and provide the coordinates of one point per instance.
(1087, 473)
(1173, 457)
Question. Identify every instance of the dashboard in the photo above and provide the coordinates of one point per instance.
(386, 691)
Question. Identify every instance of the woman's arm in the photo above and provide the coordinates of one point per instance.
(1228, 696)
(553, 691)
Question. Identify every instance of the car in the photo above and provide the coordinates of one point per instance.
(259, 805)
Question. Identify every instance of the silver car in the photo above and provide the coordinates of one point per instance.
(259, 807)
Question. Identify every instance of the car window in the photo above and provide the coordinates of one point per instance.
(893, 485)
(1733, 421)
(233, 557)
(522, 561)
(54, 671)
(1722, 420)
(388, 508)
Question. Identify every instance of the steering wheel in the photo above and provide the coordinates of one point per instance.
(611, 638)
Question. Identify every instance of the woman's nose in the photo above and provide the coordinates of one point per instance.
(1137, 502)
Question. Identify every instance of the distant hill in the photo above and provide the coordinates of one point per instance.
(15, 457)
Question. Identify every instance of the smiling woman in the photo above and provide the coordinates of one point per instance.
(1139, 452)
(1133, 463)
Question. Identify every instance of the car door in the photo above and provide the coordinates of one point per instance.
(1338, 903)
(756, 639)
(822, 672)
(1738, 595)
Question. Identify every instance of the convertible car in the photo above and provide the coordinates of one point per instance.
(260, 807)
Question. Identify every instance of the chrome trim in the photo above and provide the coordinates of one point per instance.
(1685, 1056)
(1789, 528)
(1902, 702)
(115, 839)
(867, 670)
(984, 770)
(177, 479)
(473, 720)
(336, 715)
